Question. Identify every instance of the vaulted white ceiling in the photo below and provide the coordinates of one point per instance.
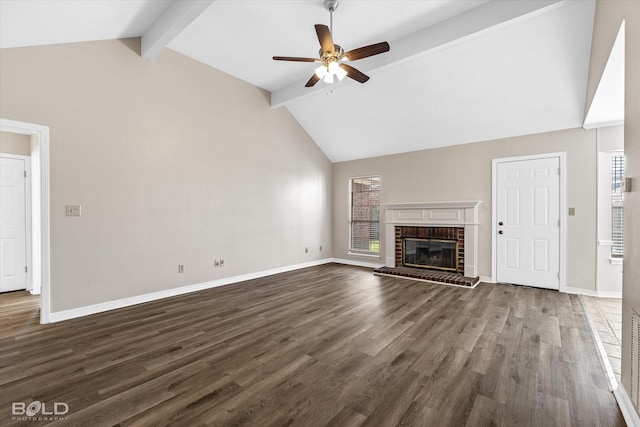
(458, 71)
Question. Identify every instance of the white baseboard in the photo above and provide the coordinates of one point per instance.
(58, 316)
(356, 263)
(73, 313)
(629, 412)
(590, 293)
(609, 294)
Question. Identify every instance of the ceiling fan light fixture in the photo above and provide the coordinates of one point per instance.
(328, 78)
(321, 71)
(333, 67)
(340, 73)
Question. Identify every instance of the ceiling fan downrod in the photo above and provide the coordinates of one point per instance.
(331, 6)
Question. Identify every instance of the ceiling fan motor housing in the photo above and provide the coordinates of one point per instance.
(328, 57)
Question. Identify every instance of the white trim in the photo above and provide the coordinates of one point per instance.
(605, 243)
(563, 217)
(45, 264)
(356, 263)
(615, 261)
(603, 124)
(592, 293)
(364, 255)
(15, 156)
(36, 211)
(629, 412)
(73, 313)
(433, 205)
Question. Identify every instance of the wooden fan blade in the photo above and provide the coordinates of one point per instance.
(355, 74)
(325, 39)
(313, 80)
(366, 51)
(295, 59)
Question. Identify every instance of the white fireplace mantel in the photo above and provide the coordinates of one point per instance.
(435, 214)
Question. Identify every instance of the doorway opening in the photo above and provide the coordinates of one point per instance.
(40, 210)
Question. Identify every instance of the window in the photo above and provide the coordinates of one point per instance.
(364, 215)
(617, 205)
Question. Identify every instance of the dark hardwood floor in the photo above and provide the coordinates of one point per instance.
(329, 345)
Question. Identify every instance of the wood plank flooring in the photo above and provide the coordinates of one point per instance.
(329, 345)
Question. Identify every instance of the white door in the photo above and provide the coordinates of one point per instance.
(528, 222)
(13, 225)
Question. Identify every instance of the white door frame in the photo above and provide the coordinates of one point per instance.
(563, 196)
(43, 166)
(27, 222)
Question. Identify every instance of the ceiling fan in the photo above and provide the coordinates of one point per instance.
(333, 57)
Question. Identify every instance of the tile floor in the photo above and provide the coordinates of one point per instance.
(606, 316)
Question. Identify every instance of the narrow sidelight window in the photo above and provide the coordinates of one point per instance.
(364, 215)
(617, 205)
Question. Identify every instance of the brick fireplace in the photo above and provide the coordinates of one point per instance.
(454, 235)
(455, 222)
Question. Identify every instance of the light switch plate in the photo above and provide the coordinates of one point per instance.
(572, 211)
(74, 210)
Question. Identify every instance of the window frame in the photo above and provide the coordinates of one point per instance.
(617, 204)
(351, 250)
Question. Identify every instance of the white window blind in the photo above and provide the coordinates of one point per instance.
(617, 205)
(364, 215)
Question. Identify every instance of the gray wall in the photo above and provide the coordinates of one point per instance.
(173, 162)
(463, 172)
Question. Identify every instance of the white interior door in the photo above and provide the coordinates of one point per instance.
(528, 222)
(13, 225)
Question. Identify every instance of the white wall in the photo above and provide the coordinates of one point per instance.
(173, 163)
(463, 172)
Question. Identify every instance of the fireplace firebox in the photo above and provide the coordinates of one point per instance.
(432, 248)
(436, 254)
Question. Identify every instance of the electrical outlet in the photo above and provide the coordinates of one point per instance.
(306, 250)
(221, 262)
(216, 263)
(572, 211)
(74, 210)
(180, 268)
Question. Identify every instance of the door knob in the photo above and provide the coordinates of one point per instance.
(500, 223)
(500, 232)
